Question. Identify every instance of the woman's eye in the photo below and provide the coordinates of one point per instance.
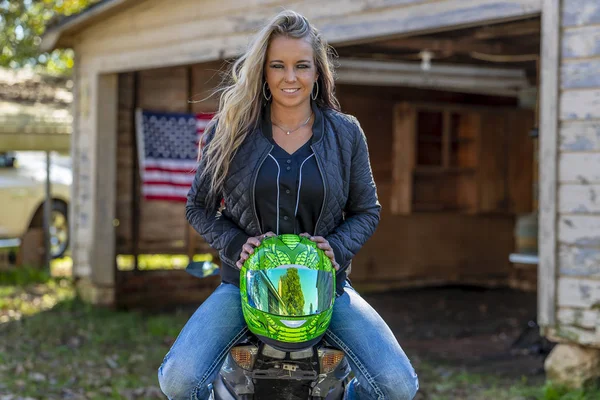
(303, 66)
(276, 66)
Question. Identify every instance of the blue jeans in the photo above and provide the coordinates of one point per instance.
(381, 368)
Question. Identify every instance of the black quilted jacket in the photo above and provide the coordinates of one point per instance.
(349, 215)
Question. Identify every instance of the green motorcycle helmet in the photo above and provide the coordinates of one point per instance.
(287, 288)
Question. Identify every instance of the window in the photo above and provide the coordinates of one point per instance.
(455, 158)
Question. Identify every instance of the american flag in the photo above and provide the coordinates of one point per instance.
(168, 152)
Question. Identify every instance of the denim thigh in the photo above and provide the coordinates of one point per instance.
(381, 367)
(195, 358)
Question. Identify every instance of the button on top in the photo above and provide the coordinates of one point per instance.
(289, 161)
(288, 168)
(285, 218)
(287, 191)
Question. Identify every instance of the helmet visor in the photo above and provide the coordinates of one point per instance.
(290, 290)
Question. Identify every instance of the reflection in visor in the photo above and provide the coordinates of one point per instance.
(292, 290)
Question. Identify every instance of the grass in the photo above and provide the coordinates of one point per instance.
(447, 382)
(52, 346)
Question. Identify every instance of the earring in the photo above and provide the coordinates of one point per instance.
(314, 95)
(265, 92)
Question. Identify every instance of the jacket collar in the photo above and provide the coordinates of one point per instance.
(318, 126)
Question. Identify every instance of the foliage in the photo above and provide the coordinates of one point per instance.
(291, 292)
(23, 22)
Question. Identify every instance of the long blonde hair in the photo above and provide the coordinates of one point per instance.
(242, 99)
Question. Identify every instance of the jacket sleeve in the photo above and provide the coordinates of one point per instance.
(362, 209)
(218, 229)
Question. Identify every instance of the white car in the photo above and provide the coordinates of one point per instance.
(23, 192)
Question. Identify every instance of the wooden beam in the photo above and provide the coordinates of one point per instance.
(104, 169)
(426, 17)
(549, 94)
(463, 78)
(404, 149)
(520, 28)
(460, 46)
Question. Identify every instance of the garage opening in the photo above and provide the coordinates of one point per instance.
(451, 121)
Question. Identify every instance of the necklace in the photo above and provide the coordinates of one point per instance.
(287, 131)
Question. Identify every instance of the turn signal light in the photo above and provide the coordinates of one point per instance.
(330, 359)
(244, 356)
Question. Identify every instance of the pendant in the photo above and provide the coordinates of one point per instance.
(288, 133)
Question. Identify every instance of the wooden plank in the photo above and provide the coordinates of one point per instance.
(549, 93)
(403, 158)
(466, 78)
(579, 104)
(580, 74)
(578, 292)
(519, 28)
(583, 168)
(520, 161)
(579, 199)
(104, 193)
(573, 334)
(205, 79)
(493, 163)
(424, 17)
(581, 42)
(446, 138)
(580, 136)
(580, 230)
(579, 261)
(580, 12)
(579, 317)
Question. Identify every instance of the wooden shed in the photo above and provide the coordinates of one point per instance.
(446, 93)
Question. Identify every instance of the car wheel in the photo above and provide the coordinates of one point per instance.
(59, 230)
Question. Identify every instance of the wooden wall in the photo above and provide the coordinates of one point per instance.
(468, 249)
(174, 89)
(578, 197)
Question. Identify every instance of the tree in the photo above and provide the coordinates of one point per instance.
(23, 22)
(291, 292)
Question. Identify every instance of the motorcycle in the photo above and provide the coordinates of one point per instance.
(255, 370)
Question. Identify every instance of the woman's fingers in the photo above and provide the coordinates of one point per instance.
(248, 247)
(254, 241)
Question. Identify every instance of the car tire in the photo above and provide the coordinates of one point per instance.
(59, 229)
(60, 234)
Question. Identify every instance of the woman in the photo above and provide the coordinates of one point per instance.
(285, 160)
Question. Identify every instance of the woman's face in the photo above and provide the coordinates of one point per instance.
(290, 71)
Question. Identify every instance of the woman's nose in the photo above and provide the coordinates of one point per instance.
(290, 75)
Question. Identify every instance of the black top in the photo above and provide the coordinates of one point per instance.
(289, 188)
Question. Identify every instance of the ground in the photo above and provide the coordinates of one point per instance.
(463, 342)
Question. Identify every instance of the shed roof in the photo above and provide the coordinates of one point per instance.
(61, 34)
(35, 111)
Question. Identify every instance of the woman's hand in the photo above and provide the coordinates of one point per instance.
(248, 247)
(324, 245)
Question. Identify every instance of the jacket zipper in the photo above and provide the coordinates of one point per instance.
(324, 191)
(252, 192)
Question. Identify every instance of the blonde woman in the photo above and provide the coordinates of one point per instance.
(279, 124)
